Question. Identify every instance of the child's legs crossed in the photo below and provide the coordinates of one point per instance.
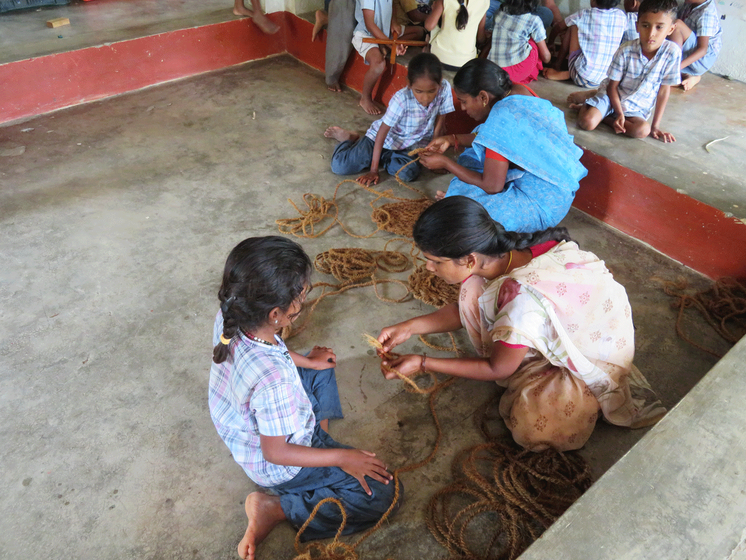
(321, 388)
(636, 127)
(300, 495)
(352, 157)
(393, 161)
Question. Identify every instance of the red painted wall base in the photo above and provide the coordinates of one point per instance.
(691, 232)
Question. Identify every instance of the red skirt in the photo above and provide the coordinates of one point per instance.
(527, 71)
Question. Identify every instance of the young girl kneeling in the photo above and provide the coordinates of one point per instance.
(413, 114)
(272, 406)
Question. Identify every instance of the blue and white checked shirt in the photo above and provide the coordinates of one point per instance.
(631, 32)
(257, 390)
(510, 37)
(412, 125)
(640, 79)
(704, 20)
(599, 35)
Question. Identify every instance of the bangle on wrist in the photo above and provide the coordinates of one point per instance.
(455, 142)
(422, 363)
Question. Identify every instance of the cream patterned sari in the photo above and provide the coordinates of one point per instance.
(577, 323)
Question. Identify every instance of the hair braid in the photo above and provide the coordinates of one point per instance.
(462, 17)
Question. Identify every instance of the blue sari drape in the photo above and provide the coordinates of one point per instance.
(530, 133)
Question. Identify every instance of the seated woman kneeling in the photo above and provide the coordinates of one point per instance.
(547, 320)
(520, 163)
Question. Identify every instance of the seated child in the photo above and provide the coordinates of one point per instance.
(641, 75)
(698, 33)
(591, 38)
(410, 12)
(414, 114)
(519, 41)
(631, 7)
(374, 20)
(272, 406)
(462, 27)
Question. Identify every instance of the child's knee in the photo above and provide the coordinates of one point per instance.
(375, 61)
(587, 120)
(409, 173)
(385, 495)
(641, 130)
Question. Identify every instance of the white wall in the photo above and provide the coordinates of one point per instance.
(731, 62)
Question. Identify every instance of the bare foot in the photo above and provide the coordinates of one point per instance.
(265, 24)
(688, 82)
(440, 195)
(264, 513)
(321, 20)
(370, 106)
(335, 87)
(552, 74)
(340, 134)
(578, 97)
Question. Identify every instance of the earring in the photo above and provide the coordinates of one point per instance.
(484, 103)
(468, 266)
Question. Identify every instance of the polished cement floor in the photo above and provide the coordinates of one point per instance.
(114, 226)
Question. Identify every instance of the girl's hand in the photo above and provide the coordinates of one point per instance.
(401, 49)
(658, 134)
(619, 127)
(370, 178)
(406, 365)
(434, 160)
(359, 463)
(439, 145)
(322, 357)
(393, 336)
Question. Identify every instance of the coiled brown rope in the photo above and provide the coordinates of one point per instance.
(723, 306)
(503, 497)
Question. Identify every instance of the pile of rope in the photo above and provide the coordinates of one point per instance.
(503, 497)
(723, 306)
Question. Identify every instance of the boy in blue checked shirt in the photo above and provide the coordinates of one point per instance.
(641, 75)
(414, 114)
(698, 33)
(591, 38)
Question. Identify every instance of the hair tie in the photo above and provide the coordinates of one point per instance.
(224, 340)
(227, 304)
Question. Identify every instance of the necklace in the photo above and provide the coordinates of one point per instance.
(257, 339)
(510, 260)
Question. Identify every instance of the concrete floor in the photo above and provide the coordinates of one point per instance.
(114, 227)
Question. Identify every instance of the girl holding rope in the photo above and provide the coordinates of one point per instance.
(272, 406)
(548, 322)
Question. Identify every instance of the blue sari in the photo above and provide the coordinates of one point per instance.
(541, 184)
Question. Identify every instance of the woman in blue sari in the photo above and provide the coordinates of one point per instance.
(520, 163)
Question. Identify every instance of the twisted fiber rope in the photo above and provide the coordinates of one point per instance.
(513, 495)
(396, 218)
(427, 287)
(723, 305)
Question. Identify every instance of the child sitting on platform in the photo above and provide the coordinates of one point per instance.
(698, 34)
(519, 41)
(374, 21)
(414, 114)
(462, 27)
(272, 406)
(591, 37)
(641, 75)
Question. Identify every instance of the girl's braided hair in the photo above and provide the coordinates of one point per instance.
(261, 273)
(457, 226)
(462, 17)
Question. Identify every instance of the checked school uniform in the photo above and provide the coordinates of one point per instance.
(599, 36)
(257, 391)
(412, 126)
(514, 47)
(630, 34)
(639, 79)
(704, 21)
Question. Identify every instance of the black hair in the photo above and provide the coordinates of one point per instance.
(462, 17)
(607, 4)
(261, 273)
(457, 226)
(425, 64)
(519, 7)
(654, 6)
(480, 74)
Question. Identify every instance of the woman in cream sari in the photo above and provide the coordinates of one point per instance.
(548, 322)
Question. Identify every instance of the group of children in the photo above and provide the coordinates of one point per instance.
(272, 406)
